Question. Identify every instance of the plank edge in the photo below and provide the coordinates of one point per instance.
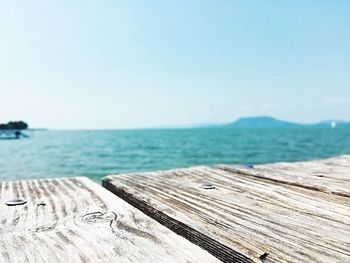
(214, 247)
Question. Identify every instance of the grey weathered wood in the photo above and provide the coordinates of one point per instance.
(261, 219)
(76, 220)
(329, 175)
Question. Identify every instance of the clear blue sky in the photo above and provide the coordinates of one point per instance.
(125, 64)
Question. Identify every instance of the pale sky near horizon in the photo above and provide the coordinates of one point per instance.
(127, 64)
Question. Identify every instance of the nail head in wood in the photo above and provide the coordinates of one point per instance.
(16, 201)
(207, 186)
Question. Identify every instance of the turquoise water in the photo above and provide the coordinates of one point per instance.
(97, 153)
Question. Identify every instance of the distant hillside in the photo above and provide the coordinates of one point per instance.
(270, 122)
(261, 122)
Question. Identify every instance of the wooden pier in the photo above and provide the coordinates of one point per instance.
(76, 220)
(285, 212)
(288, 212)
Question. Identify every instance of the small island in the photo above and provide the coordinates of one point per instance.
(14, 125)
(12, 130)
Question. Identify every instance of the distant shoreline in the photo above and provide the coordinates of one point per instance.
(245, 122)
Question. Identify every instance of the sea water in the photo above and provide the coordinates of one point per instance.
(97, 153)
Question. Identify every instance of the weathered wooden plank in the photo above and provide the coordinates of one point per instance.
(261, 219)
(330, 175)
(76, 220)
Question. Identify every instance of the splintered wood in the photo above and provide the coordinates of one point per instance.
(263, 213)
(76, 220)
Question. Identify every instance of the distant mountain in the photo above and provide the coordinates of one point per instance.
(261, 122)
(270, 122)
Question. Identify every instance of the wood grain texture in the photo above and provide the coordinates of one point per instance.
(76, 220)
(265, 221)
(329, 175)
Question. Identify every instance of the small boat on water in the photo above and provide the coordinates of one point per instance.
(12, 134)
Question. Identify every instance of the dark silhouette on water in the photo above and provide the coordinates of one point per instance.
(12, 130)
(14, 125)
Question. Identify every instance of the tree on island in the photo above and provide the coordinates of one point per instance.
(14, 125)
